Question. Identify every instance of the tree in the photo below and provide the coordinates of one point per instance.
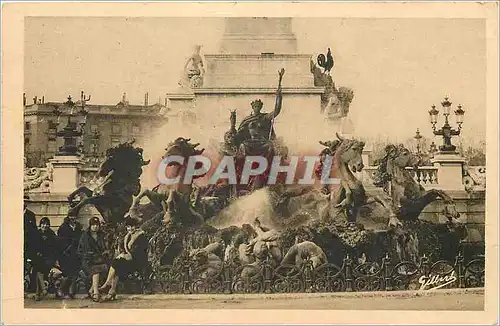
(474, 154)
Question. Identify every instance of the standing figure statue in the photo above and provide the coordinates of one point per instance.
(193, 70)
(264, 121)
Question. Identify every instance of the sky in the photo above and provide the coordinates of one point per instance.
(397, 68)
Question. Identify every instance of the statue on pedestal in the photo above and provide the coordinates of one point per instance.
(193, 70)
(265, 121)
(334, 101)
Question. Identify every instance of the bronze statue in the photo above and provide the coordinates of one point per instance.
(265, 120)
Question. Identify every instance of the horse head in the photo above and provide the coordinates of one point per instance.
(182, 147)
(400, 157)
(453, 224)
(395, 158)
(349, 152)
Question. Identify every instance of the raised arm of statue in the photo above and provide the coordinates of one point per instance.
(277, 106)
(187, 62)
(279, 97)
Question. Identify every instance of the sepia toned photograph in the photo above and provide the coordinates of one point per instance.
(255, 162)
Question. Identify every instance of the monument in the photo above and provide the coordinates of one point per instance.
(251, 53)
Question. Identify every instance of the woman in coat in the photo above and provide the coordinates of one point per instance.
(69, 234)
(46, 256)
(92, 250)
(133, 259)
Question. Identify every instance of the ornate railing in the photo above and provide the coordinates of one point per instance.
(186, 277)
(264, 278)
(424, 175)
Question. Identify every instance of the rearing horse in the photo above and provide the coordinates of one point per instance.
(351, 198)
(347, 200)
(175, 200)
(408, 197)
(121, 172)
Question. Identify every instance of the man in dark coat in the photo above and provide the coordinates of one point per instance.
(69, 235)
(30, 230)
(30, 241)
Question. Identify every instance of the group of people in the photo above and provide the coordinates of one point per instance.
(74, 249)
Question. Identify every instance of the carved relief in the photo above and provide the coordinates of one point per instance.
(474, 178)
(38, 179)
(335, 101)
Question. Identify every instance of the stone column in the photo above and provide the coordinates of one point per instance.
(65, 174)
(257, 35)
(366, 155)
(450, 170)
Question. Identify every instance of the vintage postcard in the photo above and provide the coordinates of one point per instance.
(256, 162)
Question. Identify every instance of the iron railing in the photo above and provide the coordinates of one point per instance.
(367, 276)
(185, 277)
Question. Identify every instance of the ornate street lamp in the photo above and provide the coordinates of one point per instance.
(446, 130)
(71, 132)
(418, 137)
(432, 148)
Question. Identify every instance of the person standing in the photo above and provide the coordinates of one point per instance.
(46, 256)
(135, 258)
(30, 242)
(92, 250)
(69, 235)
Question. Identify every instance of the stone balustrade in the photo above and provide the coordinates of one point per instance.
(427, 176)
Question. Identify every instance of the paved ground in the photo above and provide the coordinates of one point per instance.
(456, 299)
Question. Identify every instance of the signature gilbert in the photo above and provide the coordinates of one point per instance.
(433, 282)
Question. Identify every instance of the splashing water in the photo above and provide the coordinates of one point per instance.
(244, 210)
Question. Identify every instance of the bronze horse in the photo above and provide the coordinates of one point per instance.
(121, 171)
(348, 200)
(174, 200)
(408, 198)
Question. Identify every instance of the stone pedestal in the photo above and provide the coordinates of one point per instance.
(450, 170)
(65, 174)
(252, 52)
(257, 35)
(367, 150)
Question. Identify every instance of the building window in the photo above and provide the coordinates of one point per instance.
(51, 146)
(94, 128)
(136, 129)
(26, 141)
(115, 141)
(94, 146)
(27, 126)
(52, 131)
(116, 129)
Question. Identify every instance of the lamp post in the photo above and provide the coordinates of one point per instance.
(446, 130)
(418, 138)
(71, 131)
(432, 149)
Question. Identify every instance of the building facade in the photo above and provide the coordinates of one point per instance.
(106, 126)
